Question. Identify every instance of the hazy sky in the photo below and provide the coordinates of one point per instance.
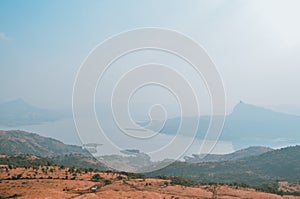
(255, 44)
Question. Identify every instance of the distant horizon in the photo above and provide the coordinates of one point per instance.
(64, 128)
(271, 108)
(218, 153)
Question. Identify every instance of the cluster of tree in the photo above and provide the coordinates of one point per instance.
(25, 161)
(132, 175)
(273, 187)
(71, 160)
(178, 180)
(98, 178)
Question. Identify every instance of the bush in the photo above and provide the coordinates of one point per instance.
(182, 181)
(133, 175)
(177, 180)
(107, 182)
(96, 178)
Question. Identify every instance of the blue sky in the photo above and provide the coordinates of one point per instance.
(255, 44)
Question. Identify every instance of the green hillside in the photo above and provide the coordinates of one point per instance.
(240, 154)
(20, 142)
(282, 164)
(72, 160)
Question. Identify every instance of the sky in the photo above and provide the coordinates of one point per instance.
(254, 44)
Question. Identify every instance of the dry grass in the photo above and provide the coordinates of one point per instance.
(37, 185)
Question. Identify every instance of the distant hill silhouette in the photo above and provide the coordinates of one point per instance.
(253, 125)
(246, 126)
(18, 112)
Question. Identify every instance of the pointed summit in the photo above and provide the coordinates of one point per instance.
(18, 101)
(242, 106)
(16, 106)
(253, 112)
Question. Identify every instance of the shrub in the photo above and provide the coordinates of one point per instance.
(96, 178)
(107, 182)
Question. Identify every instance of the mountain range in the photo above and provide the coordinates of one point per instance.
(247, 125)
(276, 165)
(253, 166)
